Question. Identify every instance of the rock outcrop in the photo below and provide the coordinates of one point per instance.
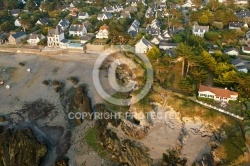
(124, 151)
(20, 147)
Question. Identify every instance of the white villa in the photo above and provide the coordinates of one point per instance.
(34, 39)
(143, 46)
(103, 32)
(218, 94)
(55, 36)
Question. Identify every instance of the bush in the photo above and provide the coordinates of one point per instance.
(169, 84)
(56, 83)
(206, 100)
(74, 80)
(2, 118)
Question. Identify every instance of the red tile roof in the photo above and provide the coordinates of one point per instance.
(219, 92)
(104, 27)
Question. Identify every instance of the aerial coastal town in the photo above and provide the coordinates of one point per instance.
(55, 55)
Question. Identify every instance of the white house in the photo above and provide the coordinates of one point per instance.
(103, 32)
(17, 23)
(143, 46)
(246, 49)
(64, 24)
(42, 21)
(232, 51)
(83, 15)
(218, 94)
(34, 39)
(200, 30)
(134, 28)
(55, 36)
(165, 46)
(242, 2)
(187, 4)
(240, 65)
(77, 30)
(104, 16)
(237, 25)
(153, 28)
(15, 12)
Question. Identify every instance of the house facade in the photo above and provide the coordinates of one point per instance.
(232, 51)
(34, 39)
(17, 37)
(77, 30)
(218, 94)
(103, 32)
(17, 23)
(55, 36)
(200, 30)
(143, 46)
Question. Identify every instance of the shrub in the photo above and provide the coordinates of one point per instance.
(56, 83)
(206, 100)
(22, 64)
(2, 118)
(46, 82)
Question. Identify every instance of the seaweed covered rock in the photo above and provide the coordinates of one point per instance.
(20, 147)
(124, 151)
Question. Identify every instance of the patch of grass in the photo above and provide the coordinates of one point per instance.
(92, 141)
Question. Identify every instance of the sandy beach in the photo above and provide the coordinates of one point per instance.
(27, 87)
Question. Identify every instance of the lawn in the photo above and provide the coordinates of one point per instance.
(92, 141)
(175, 75)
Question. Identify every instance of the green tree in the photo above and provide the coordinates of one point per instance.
(198, 74)
(184, 51)
(186, 84)
(212, 36)
(208, 60)
(223, 67)
(153, 53)
(30, 5)
(6, 26)
(226, 79)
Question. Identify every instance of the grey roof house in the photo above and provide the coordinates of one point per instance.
(240, 65)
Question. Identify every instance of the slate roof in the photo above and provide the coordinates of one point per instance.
(44, 20)
(18, 34)
(82, 14)
(15, 11)
(64, 22)
(236, 24)
(146, 42)
(243, 14)
(56, 31)
(34, 36)
(76, 27)
(231, 49)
